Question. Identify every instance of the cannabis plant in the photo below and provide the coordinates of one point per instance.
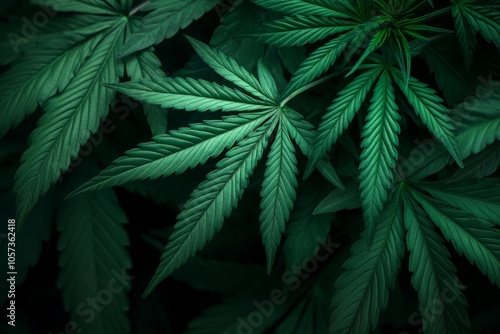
(302, 166)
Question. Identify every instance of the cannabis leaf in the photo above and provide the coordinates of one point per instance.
(428, 106)
(470, 236)
(215, 149)
(380, 142)
(340, 199)
(478, 127)
(377, 162)
(441, 56)
(96, 221)
(245, 135)
(433, 274)
(362, 290)
(145, 65)
(480, 198)
(278, 192)
(164, 20)
(33, 80)
(340, 114)
(308, 316)
(305, 232)
(68, 120)
(211, 202)
(360, 32)
(87, 6)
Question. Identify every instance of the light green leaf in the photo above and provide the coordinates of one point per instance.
(266, 80)
(304, 134)
(479, 119)
(378, 39)
(380, 151)
(69, 119)
(176, 152)
(484, 19)
(38, 77)
(304, 7)
(299, 30)
(189, 94)
(231, 70)
(340, 114)
(212, 202)
(478, 125)
(17, 38)
(278, 191)
(317, 63)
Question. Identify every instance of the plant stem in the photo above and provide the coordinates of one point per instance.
(306, 87)
(138, 8)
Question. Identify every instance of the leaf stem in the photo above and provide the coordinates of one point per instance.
(306, 87)
(137, 8)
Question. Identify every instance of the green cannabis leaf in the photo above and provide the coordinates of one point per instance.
(251, 132)
(395, 104)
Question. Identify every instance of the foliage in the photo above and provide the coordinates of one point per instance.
(299, 114)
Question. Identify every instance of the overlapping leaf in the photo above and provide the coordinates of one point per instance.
(69, 118)
(429, 107)
(478, 125)
(85, 6)
(212, 202)
(305, 231)
(309, 316)
(145, 65)
(475, 238)
(340, 114)
(231, 70)
(164, 20)
(321, 59)
(465, 35)
(480, 198)
(340, 199)
(433, 275)
(304, 134)
(176, 152)
(450, 76)
(484, 19)
(33, 80)
(94, 259)
(361, 292)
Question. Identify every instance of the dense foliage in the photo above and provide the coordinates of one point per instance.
(358, 140)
